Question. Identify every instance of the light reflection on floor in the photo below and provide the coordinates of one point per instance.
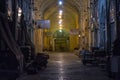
(67, 67)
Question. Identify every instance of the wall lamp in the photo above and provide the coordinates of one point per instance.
(19, 11)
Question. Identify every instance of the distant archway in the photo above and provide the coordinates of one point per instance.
(61, 40)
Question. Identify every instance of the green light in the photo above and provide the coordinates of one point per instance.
(60, 30)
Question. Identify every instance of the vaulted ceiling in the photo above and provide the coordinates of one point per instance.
(45, 4)
(72, 11)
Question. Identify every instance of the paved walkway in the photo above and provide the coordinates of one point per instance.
(67, 66)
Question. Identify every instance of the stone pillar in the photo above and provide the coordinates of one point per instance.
(38, 38)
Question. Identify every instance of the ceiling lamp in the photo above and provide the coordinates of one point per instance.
(60, 2)
(19, 12)
(60, 22)
(60, 12)
(60, 25)
(60, 16)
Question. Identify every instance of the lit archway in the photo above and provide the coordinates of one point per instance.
(61, 40)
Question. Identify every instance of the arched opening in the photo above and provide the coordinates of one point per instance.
(61, 40)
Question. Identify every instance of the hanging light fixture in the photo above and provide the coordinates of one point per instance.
(60, 2)
(60, 14)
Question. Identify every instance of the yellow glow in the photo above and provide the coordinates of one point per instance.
(60, 24)
(60, 28)
(60, 20)
(19, 14)
(60, 16)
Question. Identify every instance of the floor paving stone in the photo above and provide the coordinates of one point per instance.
(67, 66)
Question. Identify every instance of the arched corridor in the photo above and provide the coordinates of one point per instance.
(63, 17)
(33, 30)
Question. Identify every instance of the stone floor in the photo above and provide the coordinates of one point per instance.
(67, 66)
